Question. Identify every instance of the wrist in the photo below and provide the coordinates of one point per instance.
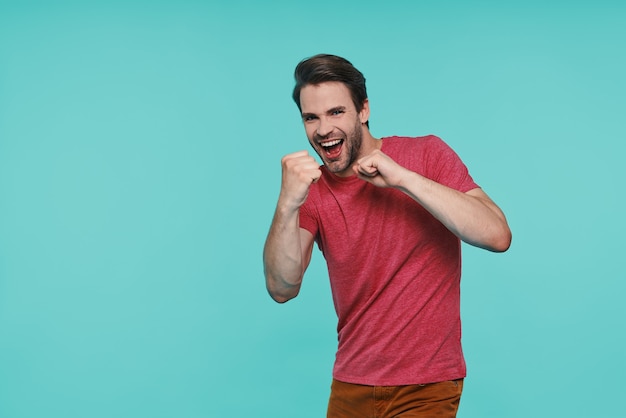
(406, 180)
(287, 206)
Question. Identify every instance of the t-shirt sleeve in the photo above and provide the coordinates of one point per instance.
(448, 169)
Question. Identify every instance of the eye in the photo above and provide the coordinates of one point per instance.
(308, 118)
(336, 112)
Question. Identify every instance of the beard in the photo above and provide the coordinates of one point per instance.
(350, 152)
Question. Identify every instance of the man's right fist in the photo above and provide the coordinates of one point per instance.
(300, 170)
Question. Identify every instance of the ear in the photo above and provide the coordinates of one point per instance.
(364, 114)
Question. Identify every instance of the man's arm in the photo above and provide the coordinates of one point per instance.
(471, 216)
(288, 247)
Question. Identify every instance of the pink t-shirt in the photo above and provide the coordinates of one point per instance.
(394, 270)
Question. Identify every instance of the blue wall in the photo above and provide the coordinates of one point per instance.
(140, 147)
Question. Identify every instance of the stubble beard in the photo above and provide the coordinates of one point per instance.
(352, 144)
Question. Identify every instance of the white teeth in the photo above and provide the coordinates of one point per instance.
(330, 143)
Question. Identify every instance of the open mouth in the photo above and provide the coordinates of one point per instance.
(332, 149)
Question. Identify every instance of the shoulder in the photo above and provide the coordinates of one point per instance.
(411, 148)
(403, 142)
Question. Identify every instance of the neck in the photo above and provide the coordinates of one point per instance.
(369, 143)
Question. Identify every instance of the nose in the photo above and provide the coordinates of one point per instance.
(324, 128)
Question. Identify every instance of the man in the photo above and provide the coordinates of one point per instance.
(388, 215)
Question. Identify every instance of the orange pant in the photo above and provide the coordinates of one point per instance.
(348, 400)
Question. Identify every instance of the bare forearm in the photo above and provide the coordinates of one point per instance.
(471, 216)
(282, 256)
(284, 260)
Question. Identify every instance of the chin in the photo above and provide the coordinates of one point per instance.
(337, 168)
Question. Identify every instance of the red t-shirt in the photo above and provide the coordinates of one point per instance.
(394, 270)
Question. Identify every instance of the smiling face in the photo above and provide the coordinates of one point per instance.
(333, 125)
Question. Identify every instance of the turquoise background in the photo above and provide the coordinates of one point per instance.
(140, 147)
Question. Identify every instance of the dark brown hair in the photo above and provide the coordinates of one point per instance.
(324, 67)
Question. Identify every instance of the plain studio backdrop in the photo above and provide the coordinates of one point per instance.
(140, 147)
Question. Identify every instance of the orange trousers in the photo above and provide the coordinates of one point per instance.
(432, 400)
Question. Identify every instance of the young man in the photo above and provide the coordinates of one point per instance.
(388, 215)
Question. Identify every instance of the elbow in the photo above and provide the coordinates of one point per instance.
(497, 240)
(502, 242)
(282, 297)
(281, 291)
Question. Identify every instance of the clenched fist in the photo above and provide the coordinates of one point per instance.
(380, 170)
(300, 170)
